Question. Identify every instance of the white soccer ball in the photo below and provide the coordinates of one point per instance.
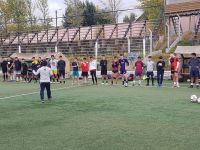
(193, 98)
(198, 100)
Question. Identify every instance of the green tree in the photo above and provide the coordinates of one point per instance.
(130, 18)
(88, 14)
(152, 8)
(74, 13)
(14, 14)
(103, 17)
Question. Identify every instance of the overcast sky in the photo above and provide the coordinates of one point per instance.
(59, 5)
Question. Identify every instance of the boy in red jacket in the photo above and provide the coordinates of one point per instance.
(85, 69)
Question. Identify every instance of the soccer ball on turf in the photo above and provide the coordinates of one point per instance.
(198, 100)
(193, 98)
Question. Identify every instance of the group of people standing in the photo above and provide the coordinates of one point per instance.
(176, 66)
(90, 65)
(14, 69)
(50, 70)
(141, 68)
(18, 70)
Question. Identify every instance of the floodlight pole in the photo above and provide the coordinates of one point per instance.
(96, 49)
(56, 49)
(151, 41)
(19, 49)
(179, 26)
(129, 45)
(168, 37)
(57, 23)
(56, 19)
(144, 47)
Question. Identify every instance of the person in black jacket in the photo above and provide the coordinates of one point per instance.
(17, 67)
(4, 66)
(10, 67)
(104, 74)
(61, 69)
(160, 71)
(24, 70)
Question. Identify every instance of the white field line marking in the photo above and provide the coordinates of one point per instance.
(26, 94)
(165, 85)
(68, 87)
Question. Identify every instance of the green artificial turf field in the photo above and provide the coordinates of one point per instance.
(99, 118)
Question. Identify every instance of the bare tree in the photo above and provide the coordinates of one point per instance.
(44, 9)
(113, 6)
(31, 6)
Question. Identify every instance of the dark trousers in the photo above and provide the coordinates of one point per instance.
(5, 74)
(150, 76)
(94, 76)
(160, 75)
(44, 85)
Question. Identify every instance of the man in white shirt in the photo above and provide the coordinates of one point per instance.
(150, 68)
(45, 74)
(93, 69)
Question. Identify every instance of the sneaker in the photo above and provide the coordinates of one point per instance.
(191, 86)
(42, 101)
(49, 99)
(159, 85)
(102, 83)
(126, 84)
(174, 86)
(197, 86)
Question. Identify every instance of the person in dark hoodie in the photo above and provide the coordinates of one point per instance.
(24, 70)
(17, 67)
(10, 67)
(160, 71)
(4, 66)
